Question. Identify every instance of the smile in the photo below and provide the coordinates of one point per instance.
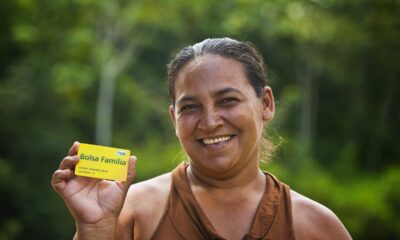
(210, 141)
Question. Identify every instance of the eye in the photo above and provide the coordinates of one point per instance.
(187, 107)
(229, 100)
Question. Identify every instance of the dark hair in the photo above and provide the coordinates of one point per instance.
(244, 53)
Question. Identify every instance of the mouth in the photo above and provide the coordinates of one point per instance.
(216, 140)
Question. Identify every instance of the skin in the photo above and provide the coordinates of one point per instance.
(213, 100)
(94, 203)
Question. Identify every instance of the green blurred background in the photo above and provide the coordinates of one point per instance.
(95, 71)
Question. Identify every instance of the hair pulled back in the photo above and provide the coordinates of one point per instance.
(245, 53)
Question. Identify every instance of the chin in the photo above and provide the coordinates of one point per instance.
(219, 166)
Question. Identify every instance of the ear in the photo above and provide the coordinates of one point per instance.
(172, 114)
(268, 104)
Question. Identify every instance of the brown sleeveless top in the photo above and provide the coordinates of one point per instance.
(184, 218)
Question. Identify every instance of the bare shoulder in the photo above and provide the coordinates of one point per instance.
(144, 207)
(144, 195)
(312, 220)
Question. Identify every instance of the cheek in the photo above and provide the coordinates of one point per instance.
(247, 119)
(184, 126)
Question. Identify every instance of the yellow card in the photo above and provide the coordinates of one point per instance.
(102, 162)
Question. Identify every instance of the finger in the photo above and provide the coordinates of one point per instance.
(61, 175)
(131, 174)
(59, 179)
(69, 162)
(74, 149)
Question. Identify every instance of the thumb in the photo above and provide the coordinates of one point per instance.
(131, 174)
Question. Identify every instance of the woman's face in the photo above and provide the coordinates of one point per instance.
(217, 116)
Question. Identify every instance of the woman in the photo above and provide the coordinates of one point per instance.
(220, 105)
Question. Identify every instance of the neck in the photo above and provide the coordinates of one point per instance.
(234, 180)
(247, 185)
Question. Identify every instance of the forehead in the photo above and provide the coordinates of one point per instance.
(210, 73)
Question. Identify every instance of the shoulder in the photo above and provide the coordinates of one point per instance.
(144, 207)
(153, 191)
(312, 220)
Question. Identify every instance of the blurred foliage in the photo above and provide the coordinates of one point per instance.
(334, 67)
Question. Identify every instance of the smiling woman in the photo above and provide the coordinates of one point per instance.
(236, 73)
(215, 101)
(220, 105)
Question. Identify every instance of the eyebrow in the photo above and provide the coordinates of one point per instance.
(185, 99)
(225, 91)
(216, 94)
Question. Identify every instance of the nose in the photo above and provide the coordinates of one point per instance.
(210, 120)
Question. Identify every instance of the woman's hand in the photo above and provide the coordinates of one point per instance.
(95, 204)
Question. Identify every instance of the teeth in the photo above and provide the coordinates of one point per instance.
(209, 141)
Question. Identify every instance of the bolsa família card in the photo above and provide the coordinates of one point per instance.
(102, 162)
